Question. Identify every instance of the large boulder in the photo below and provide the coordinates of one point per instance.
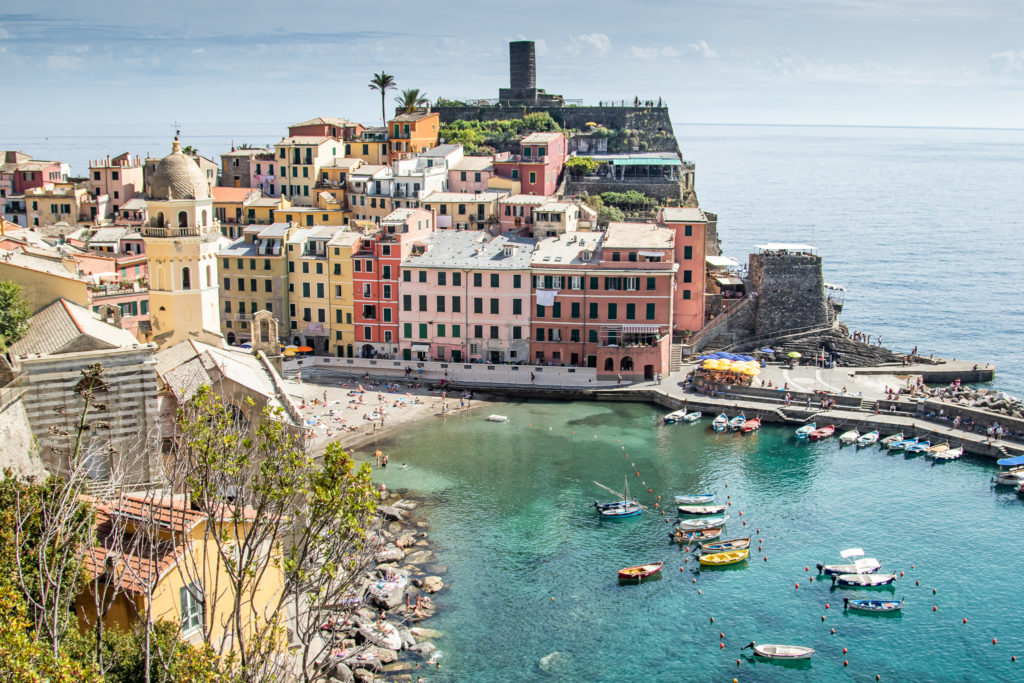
(384, 655)
(424, 649)
(390, 513)
(421, 632)
(386, 636)
(364, 676)
(432, 584)
(419, 557)
(340, 672)
(405, 540)
(390, 554)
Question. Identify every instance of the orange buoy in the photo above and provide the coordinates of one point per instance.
(680, 569)
(917, 583)
(699, 592)
(744, 522)
(826, 605)
(659, 497)
(765, 558)
(846, 663)
(911, 566)
(812, 579)
(741, 513)
(833, 631)
(737, 664)
(965, 620)
(712, 620)
(797, 585)
(901, 573)
(807, 569)
(721, 645)
(721, 635)
(844, 650)
(934, 591)
(993, 641)
(695, 580)
(935, 608)
(651, 491)
(823, 617)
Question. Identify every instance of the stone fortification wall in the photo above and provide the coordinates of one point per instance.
(660, 190)
(790, 290)
(652, 123)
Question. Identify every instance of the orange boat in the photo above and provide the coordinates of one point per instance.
(640, 571)
(823, 432)
(751, 425)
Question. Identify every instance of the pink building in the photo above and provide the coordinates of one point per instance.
(604, 300)
(27, 173)
(515, 213)
(376, 262)
(466, 297)
(470, 174)
(690, 226)
(120, 179)
(538, 166)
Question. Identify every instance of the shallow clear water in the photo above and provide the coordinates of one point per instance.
(512, 520)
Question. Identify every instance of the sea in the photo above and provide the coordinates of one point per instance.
(922, 226)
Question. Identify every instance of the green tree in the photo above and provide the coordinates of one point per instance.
(14, 314)
(607, 214)
(410, 99)
(383, 82)
(580, 166)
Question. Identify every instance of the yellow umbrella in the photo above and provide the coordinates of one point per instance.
(290, 352)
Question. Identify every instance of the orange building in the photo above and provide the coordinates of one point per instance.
(691, 227)
(410, 134)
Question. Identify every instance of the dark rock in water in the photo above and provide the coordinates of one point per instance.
(388, 512)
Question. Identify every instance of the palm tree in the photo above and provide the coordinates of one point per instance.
(382, 82)
(410, 99)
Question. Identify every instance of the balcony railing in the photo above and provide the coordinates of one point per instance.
(153, 231)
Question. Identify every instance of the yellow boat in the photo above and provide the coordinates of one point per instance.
(728, 557)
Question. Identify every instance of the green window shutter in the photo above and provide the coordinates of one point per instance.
(649, 314)
(407, 330)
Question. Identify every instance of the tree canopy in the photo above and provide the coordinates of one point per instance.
(14, 314)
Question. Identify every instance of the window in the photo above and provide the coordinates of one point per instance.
(593, 310)
(688, 231)
(613, 311)
(407, 330)
(630, 311)
(574, 310)
(462, 209)
(367, 333)
(369, 266)
(540, 334)
(495, 280)
(556, 310)
(462, 176)
(478, 280)
(616, 256)
(576, 282)
(592, 336)
(307, 315)
(442, 278)
(478, 331)
(191, 608)
(305, 289)
(649, 312)
(494, 306)
(687, 253)
(686, 294)
(457, 279)
(406, 276)
(540, 311)
(574, 335)
(440, 303)
(494, 331)
(252, 285)
(423, 302)
(385, 292)
(456, 331)
(650, 283)
(517, 332)
(319, 290)
(241, 285)
(321, 315)
(266, 264)
(593, 283)
(687, 276)
(533, 177)
(337, 316)
(517, 306)
(227, 306)
(478, 305)
(387, 314)
(517, 281)
(319, 269)
(291, 265)
(385, 249)
(227, 284)
(367, 290)
(268, 286)
(423, 276)
(423, 330)
(440, 330)
(456, 304)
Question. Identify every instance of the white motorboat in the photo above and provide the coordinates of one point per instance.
(863, 580)
(720, 423)
(849, 437)
(497, 418)
(674, 416)
(867, 439)
(773, 651)
(703, 523)
(864, 565)
(692, 416)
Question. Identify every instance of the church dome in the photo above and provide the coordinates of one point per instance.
(177, 176)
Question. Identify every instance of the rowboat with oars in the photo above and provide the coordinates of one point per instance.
(780, 651)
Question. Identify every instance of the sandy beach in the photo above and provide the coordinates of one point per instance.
(355, 413)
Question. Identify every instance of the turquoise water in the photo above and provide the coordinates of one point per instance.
(511, 519)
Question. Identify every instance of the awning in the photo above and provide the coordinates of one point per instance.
(642, 161)
(1008, 462)
(640, 329)
(729, 281)
(421, 347)
(651, 253)
(721, 261)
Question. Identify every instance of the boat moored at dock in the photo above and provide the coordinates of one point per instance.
(849, 438)
(823, 432)
(705, 523)
(867, 439)
(640, 572)
(751, 426)
(804, 432)
(720, 423)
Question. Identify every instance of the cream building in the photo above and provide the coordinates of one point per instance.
(182, 239)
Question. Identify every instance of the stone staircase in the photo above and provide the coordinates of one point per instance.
(1002, 449)
(675, 358)
(867, 406)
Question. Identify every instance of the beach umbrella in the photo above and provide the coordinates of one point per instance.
(291, 347)
(290, 352)
(304, 349)
(794, 354)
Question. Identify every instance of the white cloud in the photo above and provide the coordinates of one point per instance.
(699, 50)
(1009, 63)
(199, 51)
(702, 49)
(63, 62)
(643, 52)
(589, 42)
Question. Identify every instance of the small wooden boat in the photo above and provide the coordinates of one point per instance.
(891, 439)
(874, 605)
(619, 509)
(705, 523)
(720, 423)
(674, 416)
(918, 447)
(823, 432)
(863, 580)
(695, 499)
(805, 431)
(640, 571)
(951, 454)
(680, 536)
(737, 422)
(721, 546)
(902, 445)
(702, 509)
(863, 565)
(723, 558)
(937, 448)
(867, 439)
(751, 425)
(692, 416)
(497, 418)
(850, 437)
(780, 651)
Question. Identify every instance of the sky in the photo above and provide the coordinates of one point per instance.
(827, 62)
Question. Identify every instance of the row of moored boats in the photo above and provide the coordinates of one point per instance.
(892, 442)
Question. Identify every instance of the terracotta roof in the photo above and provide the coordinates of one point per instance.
(232, 194)
(62, 323)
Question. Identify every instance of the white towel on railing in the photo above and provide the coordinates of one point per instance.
(546, 297)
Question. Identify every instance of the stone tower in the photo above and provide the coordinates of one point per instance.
(182, 240)
(265, 338)
(790, 289)
(522, 65)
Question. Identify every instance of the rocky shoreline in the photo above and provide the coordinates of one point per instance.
(383, 640)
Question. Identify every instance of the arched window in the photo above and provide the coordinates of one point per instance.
(626, 363)
(209, 277)
(204, 216)
(182, 219)
(186, 278)
(159, 219)
(609, 365)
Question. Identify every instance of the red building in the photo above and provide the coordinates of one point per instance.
(538, 166)
(604, 300)
(27, 173)
(691, 226)
(375, 271)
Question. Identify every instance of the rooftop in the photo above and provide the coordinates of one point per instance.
(413, 116)
(233, 195)
(44, 264)
(476, 163)
(463, 197)
(525, 199)
(247, 151)
(640, 159)
(473, 250)
(638, 236)
(324, 120)
(540, 138)
(565, 249)
(59, 327)
(440, 151)
(303, 140)
(684, 215)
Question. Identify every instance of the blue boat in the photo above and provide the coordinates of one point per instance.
(901, 445)
(805, 431)
(721, 423)
(918, 447)
(874, 605)
(619, 509)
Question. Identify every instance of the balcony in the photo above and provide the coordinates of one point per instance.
(169, 232)
(330, 184)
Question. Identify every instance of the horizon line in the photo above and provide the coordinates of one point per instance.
(845, 125)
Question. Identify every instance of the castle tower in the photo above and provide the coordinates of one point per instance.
(522, 65)
(182, 240)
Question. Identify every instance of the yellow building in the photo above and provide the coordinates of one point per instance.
(410, 134)
(60, 203)
(298, 160)
(462, 210)
(182, 240)
(173, 579)
(309, 286)
(371, 146)
(43, 280)
(254, 277)
(339, 260)
(311, 216)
